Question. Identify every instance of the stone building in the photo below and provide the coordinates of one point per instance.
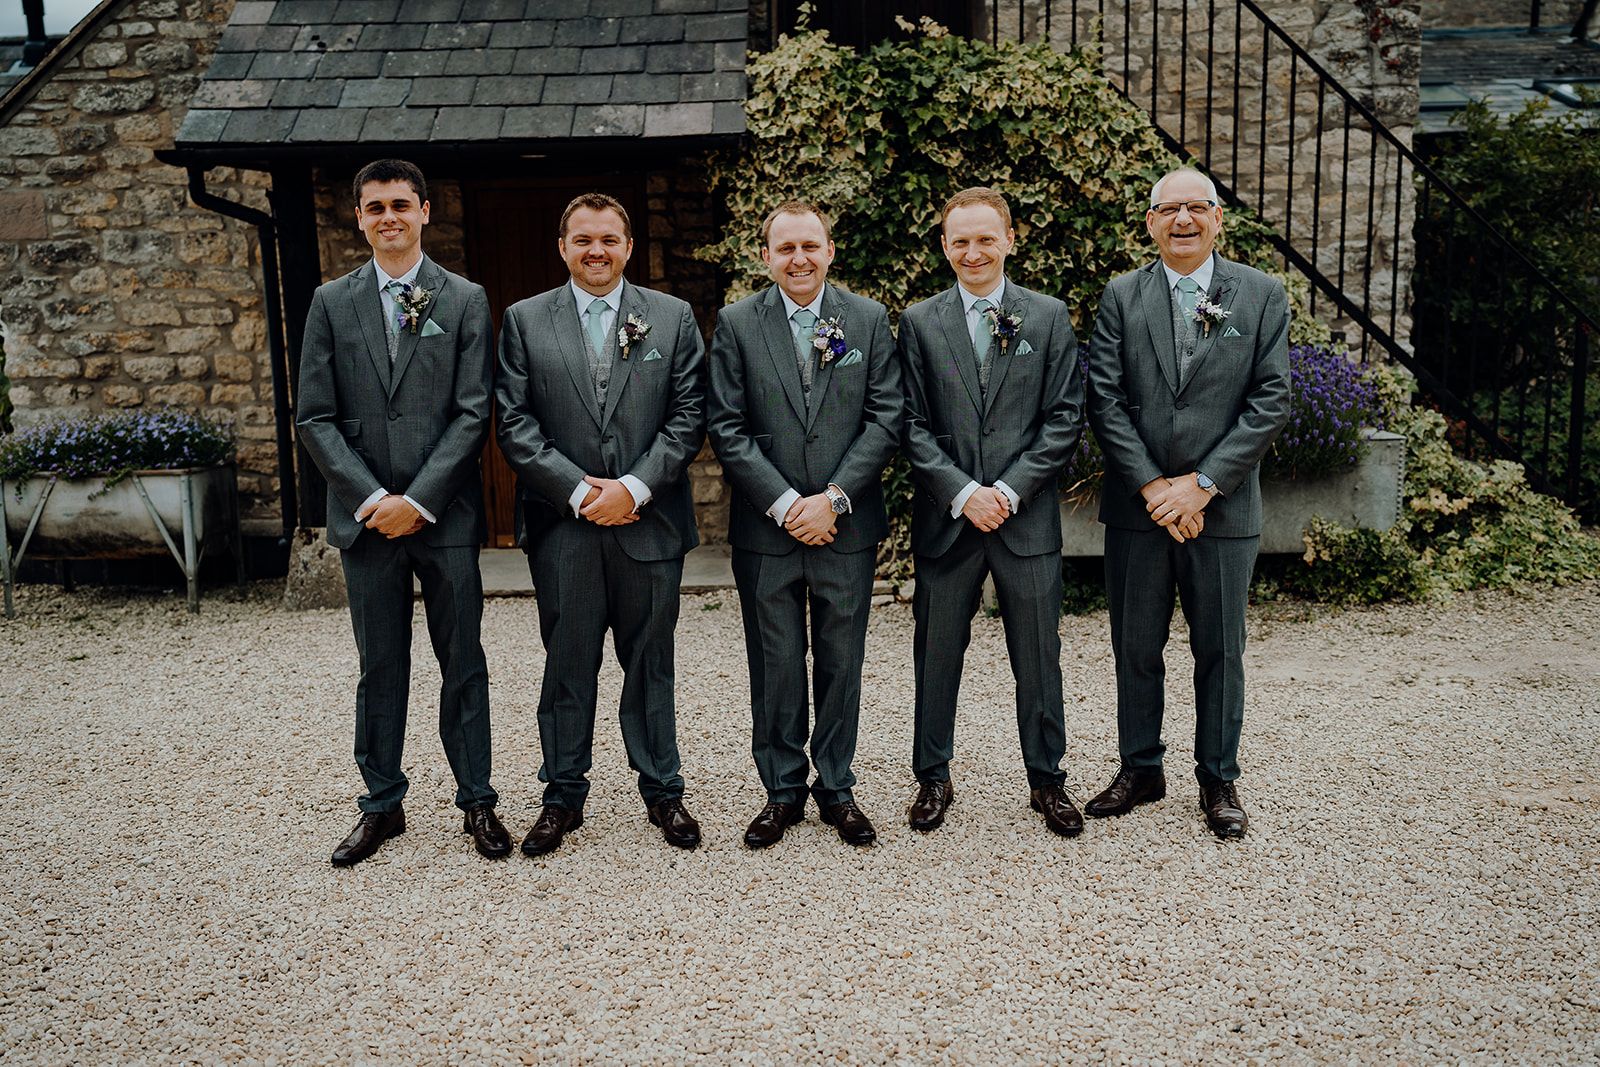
(174, 175)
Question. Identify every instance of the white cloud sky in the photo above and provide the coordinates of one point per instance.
(59, 16)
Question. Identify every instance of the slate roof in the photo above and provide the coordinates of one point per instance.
(1499, 67)
(443, 72)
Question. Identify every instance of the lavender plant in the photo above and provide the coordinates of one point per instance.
(113, 445)
(1332, 400)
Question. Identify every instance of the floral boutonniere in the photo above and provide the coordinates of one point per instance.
(1003, 327)
(829, 339)
(411, 305)
(631, 333)
(1208, 311)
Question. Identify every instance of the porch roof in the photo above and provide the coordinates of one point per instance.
(438, 74)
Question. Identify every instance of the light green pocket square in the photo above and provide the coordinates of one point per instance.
(1024, 349)
(432, 329)
(654, 353)
(1231, 332)
(851, 358)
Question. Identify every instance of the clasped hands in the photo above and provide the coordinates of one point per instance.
(987, 508)
(811, 520)
(608, 502)
(1177, 504)
(393, 516)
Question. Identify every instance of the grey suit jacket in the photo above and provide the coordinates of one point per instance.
(769, 443)
(552, 431)
(416, 428)
(1221, 420)
(1021, 434)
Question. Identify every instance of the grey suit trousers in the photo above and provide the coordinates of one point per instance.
(1211, 576)
(773, 598)
(948, 590)
(585, 583)
(378, 573)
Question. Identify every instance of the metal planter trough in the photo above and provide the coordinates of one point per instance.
(178, 512)
(1367, 496)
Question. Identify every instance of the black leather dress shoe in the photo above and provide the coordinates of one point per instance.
(372, 830)
(1058, 812)
(852, 823)
(488, 836)
(1131, 787)
(927, 809)
(677, 825)
(549, 828)
(767, 827)
(1224, 814)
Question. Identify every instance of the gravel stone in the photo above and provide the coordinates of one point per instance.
(1419, 883)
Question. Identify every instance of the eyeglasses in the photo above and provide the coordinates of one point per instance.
(1195, 207)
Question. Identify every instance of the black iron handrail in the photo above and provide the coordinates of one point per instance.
(1448, 358)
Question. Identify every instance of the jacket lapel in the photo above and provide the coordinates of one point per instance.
(959, 343)
(367, 307)
(1158, 321)
(570, 347)
(1015, 303)
(832, 308)
(1224, 288)
(632, 303)
(431, 278)
(780, 347)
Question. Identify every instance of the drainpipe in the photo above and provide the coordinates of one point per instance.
(282, 415)
(37, 46)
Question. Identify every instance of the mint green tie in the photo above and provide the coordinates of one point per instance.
(1188, 295)
(982, 335)
(595, 323)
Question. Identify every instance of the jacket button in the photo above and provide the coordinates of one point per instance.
(987, 430)
(394, 414)
(606, 440)
(1182, 404)
(813, 437)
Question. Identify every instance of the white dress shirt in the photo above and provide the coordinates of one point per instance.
(390, 309)
(975, 322)
(1201, 275)
(612, 301)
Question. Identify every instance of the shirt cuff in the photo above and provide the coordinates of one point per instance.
(849, 508)
(424, 512)
(575, 501)
(1011, 496)
(372, 502)
(638, 490)
(962, 498)
(780, 507)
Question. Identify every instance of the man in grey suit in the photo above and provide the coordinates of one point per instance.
(994, 405)
(1189, 385)
(601, 409)
(805, 412)
(395, 378)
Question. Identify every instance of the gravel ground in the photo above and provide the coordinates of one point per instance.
(1419, 884)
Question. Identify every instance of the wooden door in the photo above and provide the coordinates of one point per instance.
(510, 238)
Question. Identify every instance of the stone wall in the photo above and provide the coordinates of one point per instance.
(118, 291)
(1470, 14)
(1373, 52)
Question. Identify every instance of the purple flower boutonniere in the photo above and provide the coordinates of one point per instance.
(1003, 327)
(631, 333)
(828, 340)
(1208, 311)
(411, 306)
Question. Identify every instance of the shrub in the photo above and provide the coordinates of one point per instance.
(1332, 400)
(114, 445)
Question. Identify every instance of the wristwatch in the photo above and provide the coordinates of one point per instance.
(1206, 483)
(837, 499)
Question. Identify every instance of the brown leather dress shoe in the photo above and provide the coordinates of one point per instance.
(927, 809)
(677, 825)
(852, 823)
(488, 836)
(1131, 787)
(1058, 812)
(372, 830)
(1224, 814)
(549, 828)
(767, 827)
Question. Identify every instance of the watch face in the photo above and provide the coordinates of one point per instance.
(839, 505)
